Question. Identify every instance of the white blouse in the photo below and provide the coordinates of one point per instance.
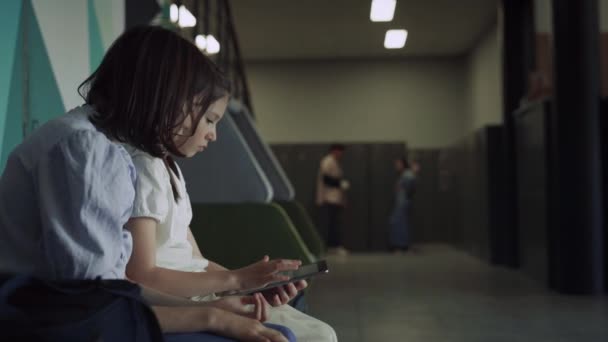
(154, 199)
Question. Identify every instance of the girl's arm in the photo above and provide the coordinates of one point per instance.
(155, 297)
(275, 297)
(227, 316)
(142, 268)
(221, 322)
(213, 266)
(253, 306)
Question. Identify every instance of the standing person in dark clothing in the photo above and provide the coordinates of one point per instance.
(331, 187)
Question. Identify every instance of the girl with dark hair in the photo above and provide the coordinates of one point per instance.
(166, 256)
(154, 92)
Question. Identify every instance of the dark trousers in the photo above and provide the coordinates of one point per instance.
(332, 217)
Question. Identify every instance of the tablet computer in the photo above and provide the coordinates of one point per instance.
(303, 272)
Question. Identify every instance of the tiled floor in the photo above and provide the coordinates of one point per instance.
(440, 294)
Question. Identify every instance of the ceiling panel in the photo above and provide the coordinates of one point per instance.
(327, 29)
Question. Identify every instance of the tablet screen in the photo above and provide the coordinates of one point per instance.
(304, 272)
(307, 271)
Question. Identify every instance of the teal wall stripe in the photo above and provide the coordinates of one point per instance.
(45, 99)
(13, 125)
(96, 49)
(10, 14)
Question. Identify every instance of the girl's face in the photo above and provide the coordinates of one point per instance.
(205, 131)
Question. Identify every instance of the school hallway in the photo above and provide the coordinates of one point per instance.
(438, 293)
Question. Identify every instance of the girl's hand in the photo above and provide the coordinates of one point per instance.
(264, 272)
(243, 328)
(283, 294)
(254, 306)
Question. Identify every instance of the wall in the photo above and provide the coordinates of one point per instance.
(50, 47)
(420, 101)
(484, 65)
(428, 102)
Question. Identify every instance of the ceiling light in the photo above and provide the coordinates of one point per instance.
(186, 19)
(173, 13)
(382, 10)
(201, 42)
(395, 39)
(213, 46)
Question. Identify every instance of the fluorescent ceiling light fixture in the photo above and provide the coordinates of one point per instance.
(201, 42)
(173, 13)
(382, 10)
(186, 19)
(213, 46)
(395, 39)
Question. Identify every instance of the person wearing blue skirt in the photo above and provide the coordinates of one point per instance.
(399, 222)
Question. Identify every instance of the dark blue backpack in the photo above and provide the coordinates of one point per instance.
(74, 310)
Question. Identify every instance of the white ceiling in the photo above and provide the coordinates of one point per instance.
(329, 29)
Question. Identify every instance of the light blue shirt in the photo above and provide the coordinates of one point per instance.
(65, 195)
(405, 188)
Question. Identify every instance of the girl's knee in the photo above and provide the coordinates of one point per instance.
(327, 332)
